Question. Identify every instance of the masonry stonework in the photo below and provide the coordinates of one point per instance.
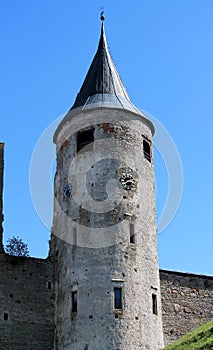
(26, 303)
(187, 302)
(103, 257)
(27, 297)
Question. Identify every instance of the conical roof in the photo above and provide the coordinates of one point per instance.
(102, 86)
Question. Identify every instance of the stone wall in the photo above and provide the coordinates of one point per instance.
(26, 303)
(187, 302)
(27, 300)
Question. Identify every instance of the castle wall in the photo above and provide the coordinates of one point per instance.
(26, 303)
(187, 303)
(24, 295)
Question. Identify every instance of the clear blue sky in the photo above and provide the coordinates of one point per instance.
(163, 51)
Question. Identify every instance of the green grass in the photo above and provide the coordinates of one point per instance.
(200, 339)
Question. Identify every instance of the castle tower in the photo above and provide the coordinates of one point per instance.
(107, 276)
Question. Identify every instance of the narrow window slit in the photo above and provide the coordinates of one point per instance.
(74, 301)
(132, 233)
(154, 304)
(147, 150)
(74, 236)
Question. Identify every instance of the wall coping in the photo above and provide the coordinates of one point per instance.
(186, 274)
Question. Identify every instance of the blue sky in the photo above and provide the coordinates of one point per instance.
(163, 51)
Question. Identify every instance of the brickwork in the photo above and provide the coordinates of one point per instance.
(26, 303)
(187, 303)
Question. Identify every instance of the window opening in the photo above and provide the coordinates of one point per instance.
(6, 316)
(132, 233)
(118, 298)
(74, 236)
(49, 285)
(154, 304)
(84, 138)
(147, 150)
(74, 301)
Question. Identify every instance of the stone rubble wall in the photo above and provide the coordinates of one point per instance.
(27, 300)
(187, 303)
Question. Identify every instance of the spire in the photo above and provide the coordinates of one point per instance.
(102, 84)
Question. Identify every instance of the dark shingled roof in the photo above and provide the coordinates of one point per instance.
(102, 81)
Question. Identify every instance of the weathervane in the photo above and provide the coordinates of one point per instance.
(102, 14)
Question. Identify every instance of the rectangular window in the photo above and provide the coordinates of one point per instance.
(147, 150)
(74, 236)
(6, 316)
(118, 298)
(132, 233)
(84, 138)
(74, 301)
(154, 304)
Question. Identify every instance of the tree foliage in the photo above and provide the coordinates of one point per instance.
(16, 247)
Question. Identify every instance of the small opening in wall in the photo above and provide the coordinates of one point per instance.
(6, 316)
(74, 301)
(154, 304)
(132, 233)
(74, 236)
(147, 150)
(84, 138)
(49, 285)
(118, 298)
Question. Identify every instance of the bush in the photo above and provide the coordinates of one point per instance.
(16, 247)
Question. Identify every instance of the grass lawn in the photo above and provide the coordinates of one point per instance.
(200, 339)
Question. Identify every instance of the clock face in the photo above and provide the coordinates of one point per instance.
(67, 191)
(127, 181)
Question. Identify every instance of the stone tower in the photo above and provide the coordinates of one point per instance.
(107, 276)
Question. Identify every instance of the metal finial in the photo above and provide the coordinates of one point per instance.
(102, 16)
